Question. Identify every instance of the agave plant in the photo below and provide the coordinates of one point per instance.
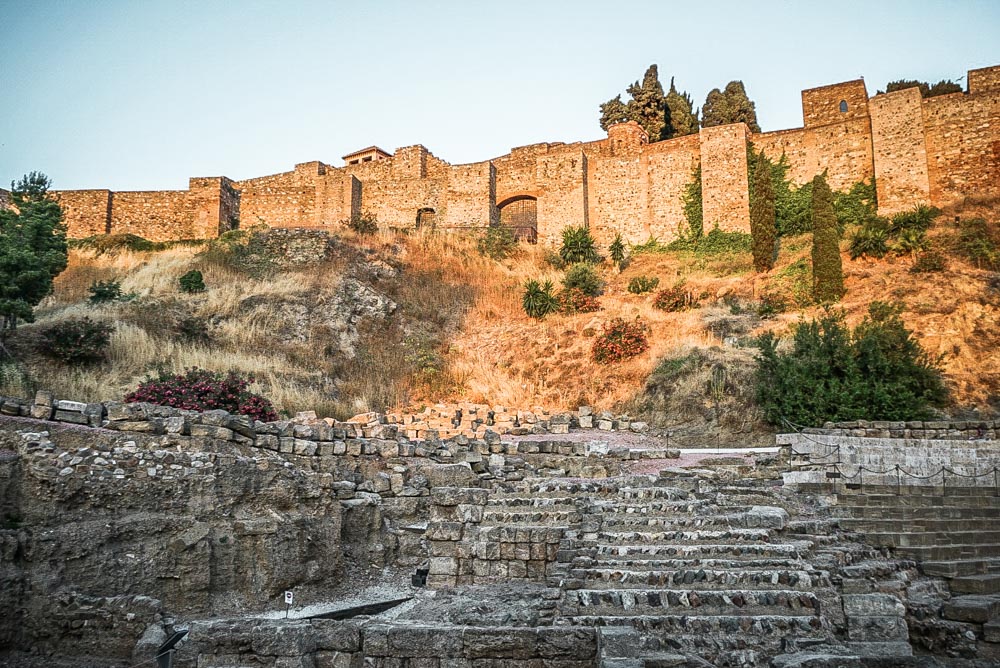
(538, 300)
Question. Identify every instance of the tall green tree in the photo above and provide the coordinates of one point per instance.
(613, 111)
(32, 249)
(763, 228)
(731, 105)
(648, 104)
(681, 119)
(828, 274)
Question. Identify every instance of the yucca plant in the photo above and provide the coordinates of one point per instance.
(538, 300)
(871, 240)
(617, 252)
(911, 242)
(578, 246)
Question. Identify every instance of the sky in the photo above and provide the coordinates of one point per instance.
(141, 95)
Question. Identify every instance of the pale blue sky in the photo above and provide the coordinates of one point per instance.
(141, 95)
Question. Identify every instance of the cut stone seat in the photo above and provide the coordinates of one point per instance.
(930, 538)
(695, 536)
(934, 525)
(639, 566)
(960, 567)
(697, 577)
(703, 550)
(688, 630)
(614, 521)
(950, 552)
(930, 512)
(985, 498)
(656, 507)
(694, 602)
(504, 517)
(976, 584)
(670, 493)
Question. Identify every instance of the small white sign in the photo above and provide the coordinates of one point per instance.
(289, 597)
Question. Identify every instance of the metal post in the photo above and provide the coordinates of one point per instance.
(944, 481)
(898, 480)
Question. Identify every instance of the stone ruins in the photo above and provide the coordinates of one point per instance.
(471, 536)
(935, 151)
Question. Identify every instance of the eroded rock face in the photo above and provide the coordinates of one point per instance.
(201, 527)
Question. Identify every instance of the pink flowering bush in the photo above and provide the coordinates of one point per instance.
(619, 341)
(201, 390)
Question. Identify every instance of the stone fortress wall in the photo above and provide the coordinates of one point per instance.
(935, 151)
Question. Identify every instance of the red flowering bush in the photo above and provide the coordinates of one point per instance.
(202, 390)
(675, 299)
(620, 340)
(575, 300)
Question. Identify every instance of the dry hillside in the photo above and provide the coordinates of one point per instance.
(404, 320)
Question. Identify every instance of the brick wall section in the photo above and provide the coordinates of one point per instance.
(821, 106)
(724, 183)
(963, 145)
(985, 79)
(900, 152)
(86, 212)
(936, 150)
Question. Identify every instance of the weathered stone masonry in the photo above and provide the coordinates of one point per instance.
(935, 151)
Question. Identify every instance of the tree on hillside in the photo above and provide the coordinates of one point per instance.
(729, 106)
(613, 111)
(762, 215)
(943, 87)
(661, 116)
(828, 275)
(680, 118)
(32, 249)
(648, 104)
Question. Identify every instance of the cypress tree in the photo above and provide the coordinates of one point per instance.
(648, 104)
(681, 119)
(828, 275)
(762, 215)
(613, 111)
(729, 106)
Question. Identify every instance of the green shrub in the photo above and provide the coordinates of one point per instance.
(365, 223)
(117, 243)
(929, 261)
(578, 246)
(617, 252)
(76, 341)
(911, 241)
(876, 372)
(856, 206)
(693, 211)
(577, 301)
(643, 284)
(920, 218)
(192, 281)
(102, 292)
(553, 259)
(979, 242)
(202, 390)
(771, 304)
(716, 242)
(620, 340)
(538, 300)
(676, 298)
(871, 240)
(497, 243)
(583, 277)
(650, 245)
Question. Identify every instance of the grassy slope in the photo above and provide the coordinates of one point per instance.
(460, 334)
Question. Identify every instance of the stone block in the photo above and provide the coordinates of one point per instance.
(766, 517)
(500, 643)
(211, 431)
(425, 641)
(283, 639)
(340, 636)
(71, 406)
(375, 639)
(41, 412)
(305, 448)
(443, 566)
(975, 608)
(454, 496)
(873, 605)
(72, 417)
(878, 629)
(444, 531)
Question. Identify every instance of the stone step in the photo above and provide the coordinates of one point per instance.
(506, 517)
(985, 499)
(975, 584)
(639, 566)
(960, 567)
(876, 525)
(625, 522)
(511, 501)
(949, 552)
(721, 631)
(692, 602)
(921, 539)
(645, 493)
(695, 536)
(652, 508)
(904, 514)
(703, 550)
(703, 578)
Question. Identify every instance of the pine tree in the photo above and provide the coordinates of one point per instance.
(680, 118)
(828, 276)
(613, 111)
(32, 249)
(762, 215)
(648, 104)
(729, 106)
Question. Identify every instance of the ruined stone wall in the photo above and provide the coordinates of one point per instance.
(823, 105)
(470, 197)
(156, 215)
(900, 151)
(618, 185)
(671, 168)
(724, 183)
(984, 79)
(86, 212)
(562, 182)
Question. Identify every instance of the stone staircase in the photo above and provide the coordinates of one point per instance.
(673, 577)
(953, 534)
